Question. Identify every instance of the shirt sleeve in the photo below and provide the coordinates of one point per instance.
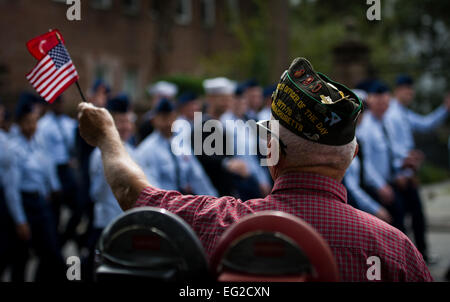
(424, 123)
(398, 143)
(371, 177)
(198, 180)
(416, 269)
(148, 163)
(11, 181)
(55, 184)
(364, 201)
(96, 176)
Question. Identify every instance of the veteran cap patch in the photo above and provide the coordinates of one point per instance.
(314, 107)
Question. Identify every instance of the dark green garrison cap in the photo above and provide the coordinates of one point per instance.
(314, 107)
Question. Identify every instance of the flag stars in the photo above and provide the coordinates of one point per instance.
(59, 55)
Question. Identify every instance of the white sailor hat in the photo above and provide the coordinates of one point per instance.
(219, 86)
(164, 89)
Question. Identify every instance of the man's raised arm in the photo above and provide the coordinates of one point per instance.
(123, 175)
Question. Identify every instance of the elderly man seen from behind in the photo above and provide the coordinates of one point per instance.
(317, 120)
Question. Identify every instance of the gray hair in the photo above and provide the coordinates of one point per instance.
(304, 153)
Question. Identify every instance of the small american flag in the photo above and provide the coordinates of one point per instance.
(53, 74)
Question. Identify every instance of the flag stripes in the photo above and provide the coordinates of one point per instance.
(53, 74)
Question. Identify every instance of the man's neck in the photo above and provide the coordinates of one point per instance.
(320, 170)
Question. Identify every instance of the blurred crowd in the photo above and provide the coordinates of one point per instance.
(47, 170)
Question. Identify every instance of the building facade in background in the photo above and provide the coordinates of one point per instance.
(129, 43)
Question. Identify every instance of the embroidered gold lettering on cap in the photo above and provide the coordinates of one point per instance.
(314, 107)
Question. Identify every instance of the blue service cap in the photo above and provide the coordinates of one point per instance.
(98, 83)
(164, 106)
(378, 87)
(186, 98)
(119, 104)
(251, 83)
(365, 85)
(268, 91)
(25, 104)
(240, 88)
(404, 79)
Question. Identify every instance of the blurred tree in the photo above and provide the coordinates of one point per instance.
(185, 83)
(412, 37)
(252, 59)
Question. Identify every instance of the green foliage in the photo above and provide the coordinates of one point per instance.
(185, 83)
(430, 173)
(252, 60)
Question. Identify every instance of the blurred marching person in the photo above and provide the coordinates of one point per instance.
(219, 166)
(314, 155)
(39, 105)
(257, 183)
(265, 112)
(162, 89)
(8, 237)
(157, 91)
(401, 124)
(187, 104)
(181, 172)
(57, 131)
(98, 95)
(354, 178)
(377, 151)
(106, 207)
(32, 178)
(2, 117)
(253, 93)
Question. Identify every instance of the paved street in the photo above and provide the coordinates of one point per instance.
(437, 208)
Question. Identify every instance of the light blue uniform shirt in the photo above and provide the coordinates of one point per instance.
(246, 138)
(106, 206)
(375, 148)
(4, 154)
(401, 122)
(265, 114)
(30, 170)
(156, 159)
(352, 183)
(58, 135)
(5, 159)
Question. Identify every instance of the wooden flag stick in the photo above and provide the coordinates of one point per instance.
(81, 92)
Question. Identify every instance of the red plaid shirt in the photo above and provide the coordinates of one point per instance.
(352, 235)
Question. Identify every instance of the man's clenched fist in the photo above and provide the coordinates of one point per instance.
(96, 124)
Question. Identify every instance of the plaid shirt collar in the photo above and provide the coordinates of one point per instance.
(311, 182)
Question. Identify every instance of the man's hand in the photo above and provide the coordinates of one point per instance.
(384, 215)
(238, 167)
(23, 231)
(402, 182)
(96, 124)
(386, 194)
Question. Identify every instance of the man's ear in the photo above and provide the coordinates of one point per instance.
(275, 159)
(356, 150)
